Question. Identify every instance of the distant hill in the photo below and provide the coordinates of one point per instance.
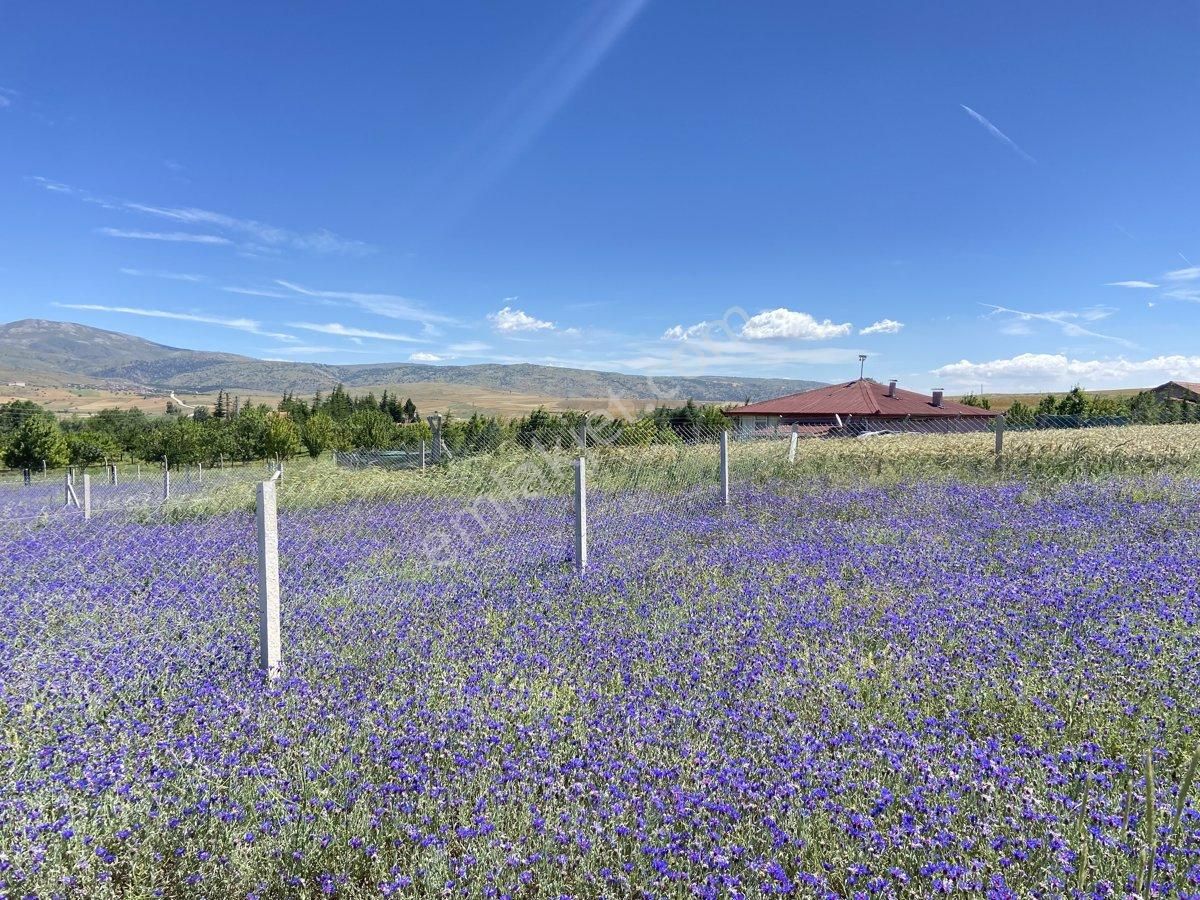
(65, 352)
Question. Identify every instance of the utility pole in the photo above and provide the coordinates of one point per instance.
(862, 361)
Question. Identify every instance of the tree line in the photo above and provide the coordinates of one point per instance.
(1078, 406)
(236, 431)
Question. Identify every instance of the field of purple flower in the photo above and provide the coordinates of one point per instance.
(875, 691)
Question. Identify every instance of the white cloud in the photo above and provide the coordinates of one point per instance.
(510, 320)
(390, 306)
(351, 332)
(1131, 284)
(176, 236)
(997, 133)
(789, 323)
(247, 325)
(883, 326)
(170, 276)
(691, 332)
(423, 357)
(6, 97)
(1191, 273)
(1055, 371)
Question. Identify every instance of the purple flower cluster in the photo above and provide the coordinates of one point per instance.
(886, 691)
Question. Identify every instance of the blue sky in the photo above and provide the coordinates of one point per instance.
(1002, 196)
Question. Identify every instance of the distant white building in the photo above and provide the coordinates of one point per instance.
(16, 384)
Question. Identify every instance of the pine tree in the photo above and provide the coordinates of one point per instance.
(219, 409)
(410, 411)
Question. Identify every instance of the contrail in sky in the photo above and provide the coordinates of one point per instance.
(997, 133)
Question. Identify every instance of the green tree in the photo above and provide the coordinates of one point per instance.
(87, 448)
(38, 439)
(369, 429)
(1073, 403)
(281, 437)
(1019, 414)
(318, 434)
(977, 400)
(641, 433)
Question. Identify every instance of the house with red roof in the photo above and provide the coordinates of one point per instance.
(864, 403)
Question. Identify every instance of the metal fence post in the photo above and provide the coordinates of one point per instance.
(67, 489)
(199, 473)
(269, 646)
(725, 467)
(112, 474)
(87, 496)
(581, 541)
(422, 453)
(999, 438)
(166, 484)
(792, 444)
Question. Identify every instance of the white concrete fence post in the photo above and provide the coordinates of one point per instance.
(725, 467)
(166, 484)
(435, 430)
(87, 496)
(68, 491)
(422, 454)
(792, 444)
(999, 437)
(581, 527)
(269, 641)
(112, 474)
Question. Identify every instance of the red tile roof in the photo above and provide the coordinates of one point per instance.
(858, 398)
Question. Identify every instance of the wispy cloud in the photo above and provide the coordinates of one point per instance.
(1191, 295)
(255, 292)
(254, 236)
(470, 347)
(510, 320)
(183, 237)
(390, 306)
(248, 325)
(1191, 273)
(423, 357)
(1131, 284)
(352, 332)
(1066, 321)
(169, 276)
(7, 96)
(319, 241)
(883, 326)
(997, 133)
(304, 350)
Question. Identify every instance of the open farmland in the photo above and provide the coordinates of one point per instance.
(890, 668)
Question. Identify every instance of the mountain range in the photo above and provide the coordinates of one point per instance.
(68, 353)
